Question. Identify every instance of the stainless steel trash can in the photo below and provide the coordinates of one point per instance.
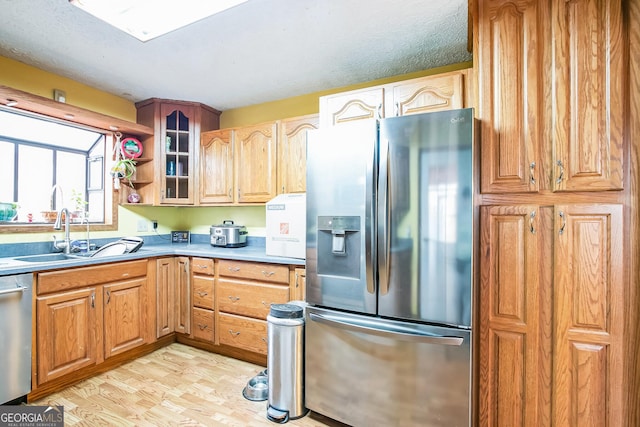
(285, 362)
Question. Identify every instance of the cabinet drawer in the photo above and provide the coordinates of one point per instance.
(203, 324)
(242, 332)
(254, 271)
(202, 266)
(54, 281)
(249, 299)
(203, 291)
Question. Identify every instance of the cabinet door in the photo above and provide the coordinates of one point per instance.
(514, 316)
(588, 102)
(292, 153)
(165, 312)
(66, 333)
(243, 332)
(182, 305)
(426, 94)
(256, 163)
(176, 167)
(216, 167)
(350, 106)
(510, 68)
(298, 292)
(124, 316)
(589, 302)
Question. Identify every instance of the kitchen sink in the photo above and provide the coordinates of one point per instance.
(47, 257)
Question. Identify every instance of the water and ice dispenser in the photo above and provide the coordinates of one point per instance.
(340, 237)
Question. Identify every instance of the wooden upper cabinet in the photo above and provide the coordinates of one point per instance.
(589, 302)
(216, 167)
(350, 106)
(588, 104)
(426, 94)
(177, 127)
(292, 153)
(515, 291)
(509, 68)
(421, 95)
(255, 157)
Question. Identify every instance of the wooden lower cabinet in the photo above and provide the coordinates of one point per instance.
(244, 294)
(203, 324)
(243, 332)
(551, 348)
(203, 315)
(66, 325)
(85, 315)
(124, 311)
(173, 296)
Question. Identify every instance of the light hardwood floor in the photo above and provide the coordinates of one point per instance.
(176, 385)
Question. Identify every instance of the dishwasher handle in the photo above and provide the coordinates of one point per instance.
(13, 290)
(371, 327)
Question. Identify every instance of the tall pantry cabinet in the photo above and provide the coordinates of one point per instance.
(557, 213)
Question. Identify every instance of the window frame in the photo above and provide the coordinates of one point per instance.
(80, 117)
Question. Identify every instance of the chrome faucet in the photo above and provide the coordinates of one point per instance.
(66, 245)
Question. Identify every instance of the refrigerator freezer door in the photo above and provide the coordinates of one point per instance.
(363, 370)
(425, 217)
(340, 219)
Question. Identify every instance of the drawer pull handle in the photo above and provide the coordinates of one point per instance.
(264, 339)
(202, 327)
(234, 299)
(203, 294)
(125, 274)
(266, 304)
(234, 333)
(202, 266)
(268, 273)
(234, 269)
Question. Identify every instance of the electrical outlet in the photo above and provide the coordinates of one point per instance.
(142, 225)
(155, 224)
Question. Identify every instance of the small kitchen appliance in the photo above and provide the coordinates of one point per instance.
(228, 235)
(180, 236)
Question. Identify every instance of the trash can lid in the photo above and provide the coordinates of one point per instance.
(286, 311)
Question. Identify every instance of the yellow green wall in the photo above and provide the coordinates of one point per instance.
(196, 219)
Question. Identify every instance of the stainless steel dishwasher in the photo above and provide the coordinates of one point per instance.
(15, 336)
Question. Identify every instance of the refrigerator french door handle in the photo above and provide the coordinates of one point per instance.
(383, 219)
(402, 334)
(369, 228)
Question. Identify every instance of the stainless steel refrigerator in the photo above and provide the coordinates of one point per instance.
(388, 328)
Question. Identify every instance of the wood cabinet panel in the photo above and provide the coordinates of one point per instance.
(249, 299)
(203, 324)
(182, 303)
(202, 266)
(510, 49)
(256, 157)
(216, 167)
(292, 153)
(424, 95)
(346, 107)
(243, 332)
(203, 291)
(588, 316)
(124, 314)
(66, 333)
(589, 100)
(165, 295)
(55, 281)
(254, 271)
(514, 289)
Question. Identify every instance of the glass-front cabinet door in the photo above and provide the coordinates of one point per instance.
(178, 154)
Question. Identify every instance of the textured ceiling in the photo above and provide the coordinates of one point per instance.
(259, 51)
